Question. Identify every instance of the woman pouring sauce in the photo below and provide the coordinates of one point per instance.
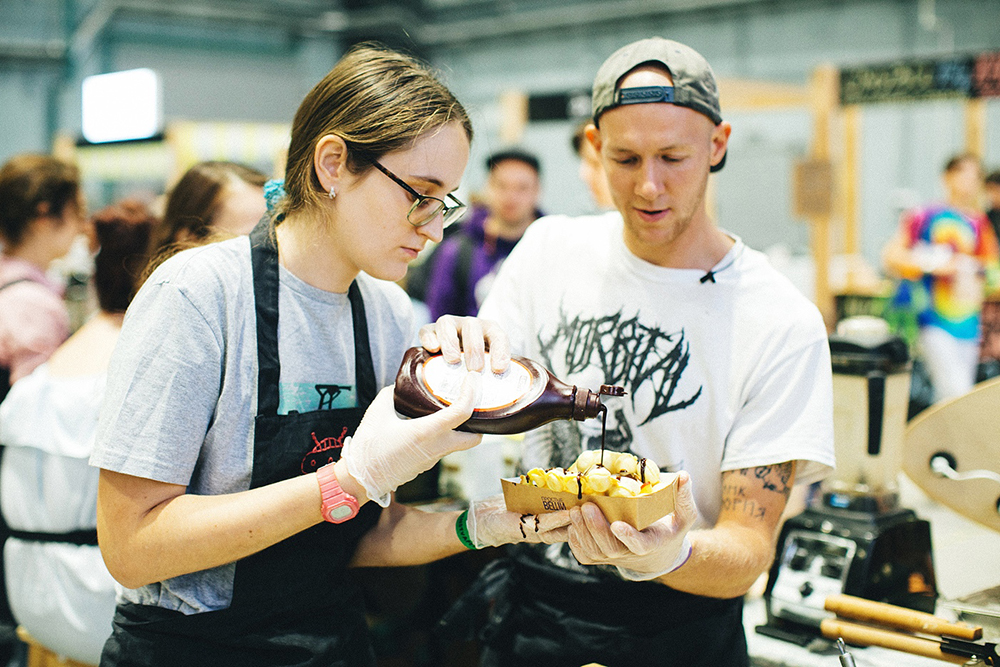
(246, 452)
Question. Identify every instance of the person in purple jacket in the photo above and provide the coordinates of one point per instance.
(463, 266)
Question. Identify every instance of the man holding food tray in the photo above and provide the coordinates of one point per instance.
(727, 376)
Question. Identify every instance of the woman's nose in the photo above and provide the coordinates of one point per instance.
(433, 230)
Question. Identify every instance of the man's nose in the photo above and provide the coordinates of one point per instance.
(650, 184)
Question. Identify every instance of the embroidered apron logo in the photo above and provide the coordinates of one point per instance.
(322, 452)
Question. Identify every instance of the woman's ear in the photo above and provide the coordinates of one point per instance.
(330, 161)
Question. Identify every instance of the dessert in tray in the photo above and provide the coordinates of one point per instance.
(625, 487)
(600, 472)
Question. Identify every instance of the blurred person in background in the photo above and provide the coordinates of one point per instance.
(992, 186)
(41, 213)
(461, 268)
(213, 200)
(591, 170)
(946, 256)
(59, 588)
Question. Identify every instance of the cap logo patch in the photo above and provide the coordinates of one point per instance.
(644, 95)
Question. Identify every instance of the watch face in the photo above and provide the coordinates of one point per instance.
(340, 513)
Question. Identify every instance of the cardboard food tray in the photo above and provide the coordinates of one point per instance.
(638, 512)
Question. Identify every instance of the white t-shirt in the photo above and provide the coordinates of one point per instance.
(182, 385)
(61, 593)
(719, 376)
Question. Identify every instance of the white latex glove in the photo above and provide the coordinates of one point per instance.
(639, 555)
(388, 450)
(467, 339)
(490, 524)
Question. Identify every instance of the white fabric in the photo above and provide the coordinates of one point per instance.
(951, 362)
(61, 593)
(182, 386)
(719, 376)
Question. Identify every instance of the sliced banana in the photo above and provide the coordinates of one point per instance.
(536, 477)
(627, 464)
(554, 478)
(587, 459)
(631, 485)
(620, 475)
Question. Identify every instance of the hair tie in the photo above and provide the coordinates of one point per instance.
(274, 192)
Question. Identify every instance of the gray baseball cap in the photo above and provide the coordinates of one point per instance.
(694, 83)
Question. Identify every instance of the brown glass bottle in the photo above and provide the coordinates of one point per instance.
(525, 397)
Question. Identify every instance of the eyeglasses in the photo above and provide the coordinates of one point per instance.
(425, 208)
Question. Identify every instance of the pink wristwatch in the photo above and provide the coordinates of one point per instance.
(338, 505)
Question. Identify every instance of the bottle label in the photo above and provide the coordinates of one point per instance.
(444, 380)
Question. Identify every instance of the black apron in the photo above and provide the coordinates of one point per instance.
(552, 617)
(294, 603)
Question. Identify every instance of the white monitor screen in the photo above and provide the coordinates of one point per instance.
(121, 106)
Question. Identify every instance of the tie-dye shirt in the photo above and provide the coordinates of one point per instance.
(954, 302)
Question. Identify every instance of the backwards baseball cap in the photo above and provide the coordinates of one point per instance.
(694, 83)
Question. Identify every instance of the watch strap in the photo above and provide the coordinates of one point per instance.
(334, 499)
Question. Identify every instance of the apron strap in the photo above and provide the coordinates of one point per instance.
(264, 262)
(364, 368)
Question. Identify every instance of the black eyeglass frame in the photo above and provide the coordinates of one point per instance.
(449, 214)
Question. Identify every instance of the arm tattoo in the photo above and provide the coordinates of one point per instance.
(773, 478)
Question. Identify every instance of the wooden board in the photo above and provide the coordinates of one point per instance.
(968, 429)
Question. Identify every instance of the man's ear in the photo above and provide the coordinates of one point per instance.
(330, 161)
(593, 135)
(720, 142)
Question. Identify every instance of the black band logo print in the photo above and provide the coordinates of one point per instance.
(628, 353)
(322, 452)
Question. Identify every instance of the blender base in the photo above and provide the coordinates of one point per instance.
(881, 556)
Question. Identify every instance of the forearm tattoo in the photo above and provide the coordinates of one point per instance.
(773, 479)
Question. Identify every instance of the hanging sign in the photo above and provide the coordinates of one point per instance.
(903, 81)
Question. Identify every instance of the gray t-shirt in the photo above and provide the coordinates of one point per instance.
(182, 385)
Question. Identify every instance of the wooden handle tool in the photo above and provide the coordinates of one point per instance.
(863, 635)
(849, 606)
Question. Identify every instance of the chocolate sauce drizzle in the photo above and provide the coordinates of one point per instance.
(604, 428)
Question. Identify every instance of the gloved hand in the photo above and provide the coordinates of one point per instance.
(388, 450)
(490, 524)
(467, 339)
(639, 555)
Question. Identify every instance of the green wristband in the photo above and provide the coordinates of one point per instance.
(462, 530)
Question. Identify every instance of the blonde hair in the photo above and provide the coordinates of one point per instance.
(377, 101)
